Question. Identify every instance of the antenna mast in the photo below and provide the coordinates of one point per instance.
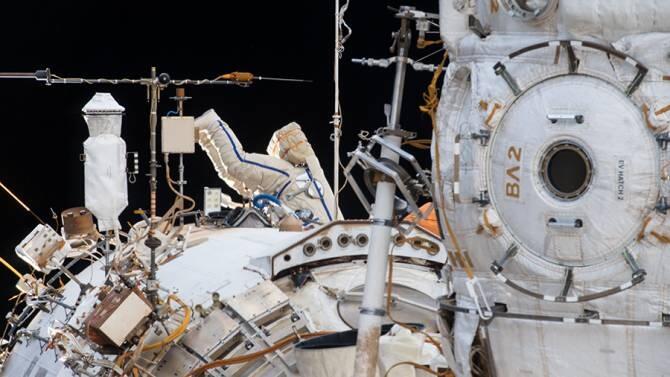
(337, 116)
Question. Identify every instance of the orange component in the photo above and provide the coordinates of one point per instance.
(429, 223)
(238, 76)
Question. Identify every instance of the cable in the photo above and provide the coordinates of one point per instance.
(258, 200)
(424, 368)
(430, 107)
(22, 204)
(340, 39)
(175, 334)
(121, 360)
(11, 268)
(179, 195)
(255, 355)
(419, 143)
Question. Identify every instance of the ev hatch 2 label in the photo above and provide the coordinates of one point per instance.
(620, 178)
(513, 173)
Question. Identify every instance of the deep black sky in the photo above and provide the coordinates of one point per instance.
(42, 126)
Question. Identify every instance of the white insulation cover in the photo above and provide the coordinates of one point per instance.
(621, 115)
(105, 179)
(103, 115)
(397, 347)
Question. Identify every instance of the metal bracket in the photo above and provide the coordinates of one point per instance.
(476, 27)
(663, 140)
(501, 70)
(577, 118)
(638, 273)
(373, 311)
(497, 266)
(590, 314)
(662, 206)
(362, 157)
(565, 223)
(567, 281)
(405, 135)
(483, 199)
(483, 136)
(382, 222)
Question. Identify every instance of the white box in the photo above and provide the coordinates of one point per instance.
(212, 200)
(178, 134)
(43, 249)
(125, 318)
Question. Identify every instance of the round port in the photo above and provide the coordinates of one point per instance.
(344, 240)
(325, 243)
(362, 239)
(309, 249)
(566, 170)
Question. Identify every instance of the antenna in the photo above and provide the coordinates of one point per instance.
(22, 204)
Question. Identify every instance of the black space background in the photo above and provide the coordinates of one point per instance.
(42, 127)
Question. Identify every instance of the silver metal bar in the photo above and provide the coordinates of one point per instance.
(260, 78)
(153, 162)
(354, 185)
(577, 118)
(501, 71)
(180, 110)
(567, 282)
(632, 263)
(406, 156)
(565, 223)
(498, 266)
(17, 75)
(357, 296)
(371, 161)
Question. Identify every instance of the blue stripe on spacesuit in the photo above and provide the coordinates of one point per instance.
(323, 201)
(239, 157)
(281, 190)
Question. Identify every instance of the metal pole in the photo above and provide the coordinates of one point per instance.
(152, 242)
(153, 121)
(372, 309)
(337, 119)
(107, 251)
(180, 110)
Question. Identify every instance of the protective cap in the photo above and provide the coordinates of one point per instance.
(103, 115)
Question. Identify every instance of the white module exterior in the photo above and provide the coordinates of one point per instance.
(242, 266)
(617, 210)
(106, 189)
